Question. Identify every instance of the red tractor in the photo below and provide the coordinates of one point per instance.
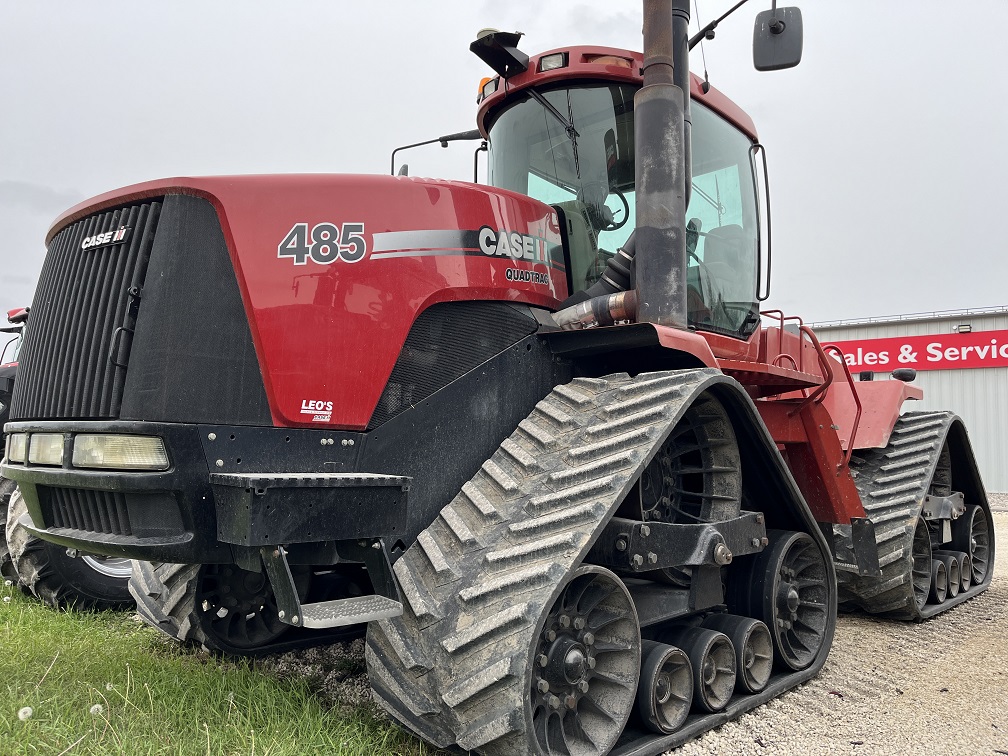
(536, 433)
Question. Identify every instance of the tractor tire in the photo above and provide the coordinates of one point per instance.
(499, 579)
(84, 582)
(7, 571)
(225, 609)
(893, 482)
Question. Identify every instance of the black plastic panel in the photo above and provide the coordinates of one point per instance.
(193, 359)
(447, 341)
(76, 348)
(83, 509)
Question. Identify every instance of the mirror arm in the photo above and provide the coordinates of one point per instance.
(708, 31)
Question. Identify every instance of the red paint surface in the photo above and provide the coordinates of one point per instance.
(333, 332)
(947, 351)
(881, 402)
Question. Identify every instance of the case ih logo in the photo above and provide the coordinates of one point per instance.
(109, 237)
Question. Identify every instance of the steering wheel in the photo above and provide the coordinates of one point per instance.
(613, 225)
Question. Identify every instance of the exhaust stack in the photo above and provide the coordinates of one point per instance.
(663, 164)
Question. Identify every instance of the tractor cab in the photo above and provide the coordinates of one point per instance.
(568, 141)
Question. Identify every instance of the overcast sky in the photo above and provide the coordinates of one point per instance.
(887, 144)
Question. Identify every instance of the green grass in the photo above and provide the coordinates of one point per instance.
(156, 697)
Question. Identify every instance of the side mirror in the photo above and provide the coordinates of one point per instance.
(777, 39)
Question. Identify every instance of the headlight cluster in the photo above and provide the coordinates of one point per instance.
(104, 451)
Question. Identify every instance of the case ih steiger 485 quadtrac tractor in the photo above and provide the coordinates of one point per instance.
(46, 570)
(588, 502)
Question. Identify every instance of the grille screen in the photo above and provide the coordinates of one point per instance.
(83, 509)
(73, 364)
(446, 341)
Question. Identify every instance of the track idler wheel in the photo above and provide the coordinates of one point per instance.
(939, 582)
(785, 586)
(965, 568)
(753, 649)
(665, 690)
(586, 665)
(952, 572)
(971, 534)
(712, 657)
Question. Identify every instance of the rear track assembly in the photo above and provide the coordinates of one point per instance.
(914, 550)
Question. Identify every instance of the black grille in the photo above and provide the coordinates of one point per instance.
(83, 509)
(73, 364)
(446, 341)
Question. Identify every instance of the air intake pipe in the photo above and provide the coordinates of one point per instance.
(656, 251)
(663, 164)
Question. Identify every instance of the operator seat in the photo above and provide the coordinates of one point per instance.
(727, 257)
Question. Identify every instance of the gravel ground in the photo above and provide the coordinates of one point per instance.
(938, 687)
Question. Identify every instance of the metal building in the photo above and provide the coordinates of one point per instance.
(961, 358)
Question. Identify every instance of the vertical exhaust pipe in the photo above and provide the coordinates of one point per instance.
(663, 164)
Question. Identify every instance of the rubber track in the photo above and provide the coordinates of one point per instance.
(893, 482)
(453, 667)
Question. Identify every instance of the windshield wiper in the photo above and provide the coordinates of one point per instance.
(567, 123)
(568, 126)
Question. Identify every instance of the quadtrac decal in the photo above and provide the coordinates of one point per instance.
(485, 242)
(326, 243)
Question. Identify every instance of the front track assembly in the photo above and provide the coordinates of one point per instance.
(517, 637)
(932, 521)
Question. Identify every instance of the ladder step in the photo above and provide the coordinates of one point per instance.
(349, 611)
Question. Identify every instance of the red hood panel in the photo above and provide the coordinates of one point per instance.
(334, 269)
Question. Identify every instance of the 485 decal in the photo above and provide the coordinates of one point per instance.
(325, 244)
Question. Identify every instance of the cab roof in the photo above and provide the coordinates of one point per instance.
(610, 64)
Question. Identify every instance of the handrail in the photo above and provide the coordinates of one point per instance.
(824, 364)
(781, 317)
(854, 393)
(780, 358)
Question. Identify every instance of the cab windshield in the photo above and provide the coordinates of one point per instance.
(587, 172)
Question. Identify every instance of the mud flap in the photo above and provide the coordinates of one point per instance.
(854, 547)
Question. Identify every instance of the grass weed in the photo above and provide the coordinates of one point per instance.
(106, 684)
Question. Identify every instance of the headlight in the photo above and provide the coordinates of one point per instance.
(46, 449)
(119, 452)
(554, 61)
(16, 447)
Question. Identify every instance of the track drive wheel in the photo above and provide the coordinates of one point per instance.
(696, 475)
(84, 582)
(218, 606)
(585, 666)
(785, 587)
